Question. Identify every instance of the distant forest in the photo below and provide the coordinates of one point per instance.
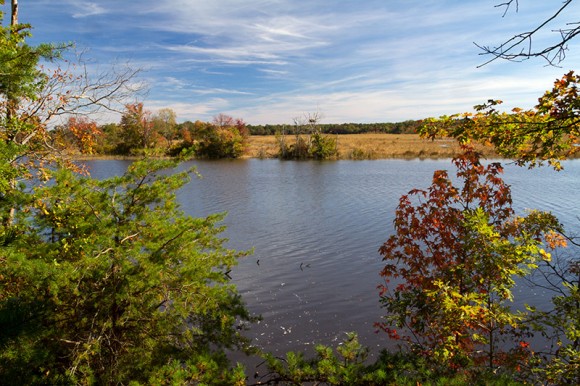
(405, 127)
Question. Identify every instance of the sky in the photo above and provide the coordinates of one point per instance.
(272, 61)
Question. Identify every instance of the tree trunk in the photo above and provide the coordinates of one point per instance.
(14, 19)
(12, 103)
(11, 110)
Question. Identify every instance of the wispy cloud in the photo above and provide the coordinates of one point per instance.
(84, 9)
(220, 91)
(270, 60)
(273, 73)
(192, 111)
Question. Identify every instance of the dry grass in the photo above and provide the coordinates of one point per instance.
(370, 146)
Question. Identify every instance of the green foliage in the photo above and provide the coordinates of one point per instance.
(19, 73)
(205, 370)
(297, 150)
(225, 137)
(113, 283)
(220, 142)
(102, 282)
(21, 81)
(322, 147)
(312, 145)
(138, 131)
(349, 364)
(346, 366)
(453, 261)
(405, 127)
(165, 125)
(22, 139)
(110, 142)
(559, 326)
(548, 132)
(360, 154)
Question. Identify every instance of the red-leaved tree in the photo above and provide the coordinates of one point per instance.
(451, 265)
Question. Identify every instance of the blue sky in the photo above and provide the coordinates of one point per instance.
(269, 61)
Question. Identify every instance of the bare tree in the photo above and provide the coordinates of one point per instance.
(75, 90)
(33, 97)
(521, 46)
(81, 89)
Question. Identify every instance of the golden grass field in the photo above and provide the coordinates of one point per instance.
(370, 146)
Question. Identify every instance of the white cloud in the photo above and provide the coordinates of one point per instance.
(273, 73)
(270, 60)
(190, 111)
(86, 9)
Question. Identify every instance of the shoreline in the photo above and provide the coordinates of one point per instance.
(368, 146)
(371, 146)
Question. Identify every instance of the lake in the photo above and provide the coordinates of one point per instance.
(316, 227)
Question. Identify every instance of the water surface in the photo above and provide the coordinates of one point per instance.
(315, 228)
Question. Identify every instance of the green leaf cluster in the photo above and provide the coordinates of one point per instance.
(343, 366)
(550, 131)
(559, 325)
(348, 364)
(109, 282)
(220, 142)
(316, 146)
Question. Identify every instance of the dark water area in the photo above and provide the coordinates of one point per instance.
(316, 227)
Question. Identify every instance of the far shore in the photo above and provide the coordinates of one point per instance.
(351, 147)
(371, 146)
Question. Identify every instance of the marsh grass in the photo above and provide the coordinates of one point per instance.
(369, 146)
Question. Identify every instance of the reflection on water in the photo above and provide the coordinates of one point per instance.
(316, 227)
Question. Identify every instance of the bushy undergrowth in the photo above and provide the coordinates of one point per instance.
(315, 146)
(348, 364)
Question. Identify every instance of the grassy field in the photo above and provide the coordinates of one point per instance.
(370, 146)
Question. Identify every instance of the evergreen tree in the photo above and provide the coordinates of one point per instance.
(101, 282)
(109, 282)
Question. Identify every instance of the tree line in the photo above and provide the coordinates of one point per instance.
(140, 131)
(405, 127)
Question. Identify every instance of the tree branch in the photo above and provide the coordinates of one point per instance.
(520, 46)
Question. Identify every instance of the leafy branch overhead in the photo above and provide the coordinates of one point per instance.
(548, 132)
